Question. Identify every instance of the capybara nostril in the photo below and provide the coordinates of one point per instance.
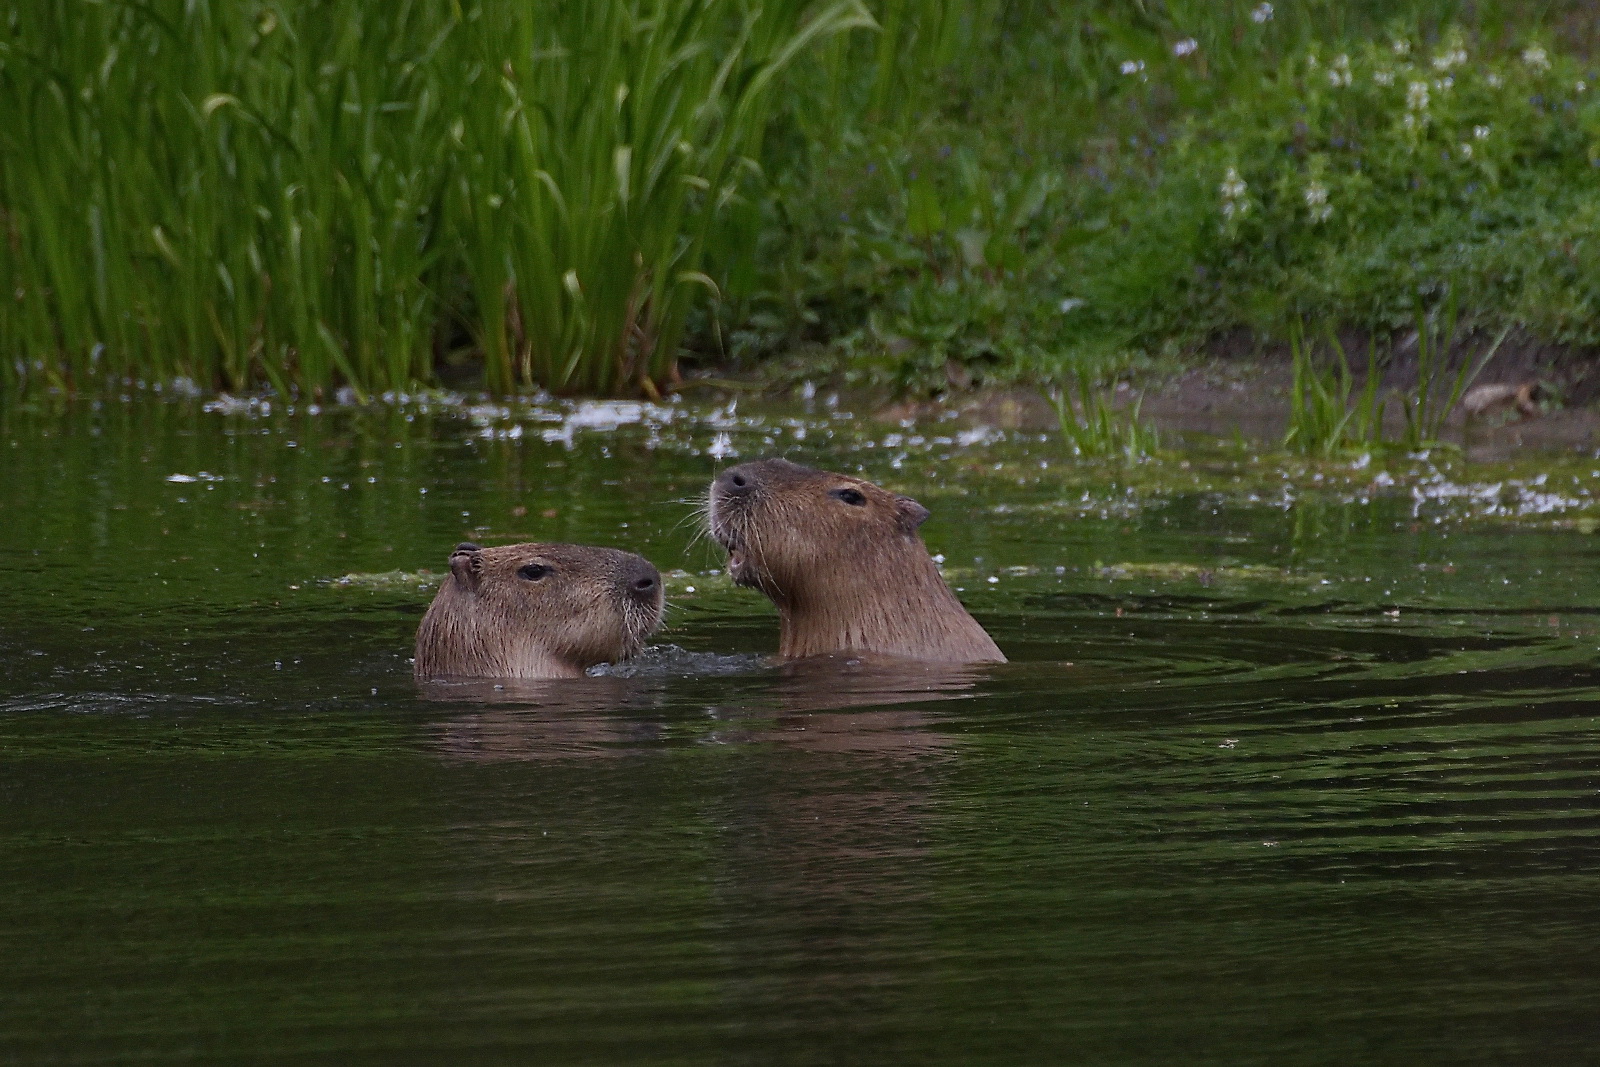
(642, 580)
(736, 482)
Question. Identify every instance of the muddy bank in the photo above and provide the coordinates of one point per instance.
(1530, 394)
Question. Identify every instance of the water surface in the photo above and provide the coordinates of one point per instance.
(1292, 763)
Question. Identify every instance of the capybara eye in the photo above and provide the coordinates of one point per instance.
(849, 496)
(533, 571)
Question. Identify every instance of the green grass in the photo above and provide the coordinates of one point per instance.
(1323, 420)
(1438, 392)
(301, 195)
(1274, 172)
(580, 194)
(1327, 418)
(1094, 428)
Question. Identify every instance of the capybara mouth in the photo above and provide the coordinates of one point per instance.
(736, 560)
(738, 557)
(724, 533)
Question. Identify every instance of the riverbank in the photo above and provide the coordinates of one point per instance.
(993, 194)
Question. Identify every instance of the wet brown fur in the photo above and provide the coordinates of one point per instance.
(845, 577)
(488, 620)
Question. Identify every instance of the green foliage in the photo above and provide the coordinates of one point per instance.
(1095, 428)
(588, 196)
(1322, 420)
(577, 193)
(1437, 393)
(1207, 171)
(237, 193)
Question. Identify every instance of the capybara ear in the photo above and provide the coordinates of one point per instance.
(466, 563)
(912, 514)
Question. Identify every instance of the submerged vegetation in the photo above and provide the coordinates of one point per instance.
(913, 196)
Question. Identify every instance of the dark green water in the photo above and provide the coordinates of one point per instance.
(1291, 765)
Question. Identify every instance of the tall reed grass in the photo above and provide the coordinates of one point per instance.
(307, 194)
(247, 192)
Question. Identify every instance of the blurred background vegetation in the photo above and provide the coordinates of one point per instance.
(592, 196)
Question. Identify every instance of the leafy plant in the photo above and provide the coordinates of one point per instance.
(591, 190)
(1322, 420)
(1094, 427)
(1437, 393)
(1214, 171)
(314, 194)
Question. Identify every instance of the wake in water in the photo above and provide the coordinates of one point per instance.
(670, 661)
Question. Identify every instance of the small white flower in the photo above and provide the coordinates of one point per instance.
(1466, 150)
(1535, 57)
(1581, 87)
(1132, 66)
(1233, 189)
(1261, 13)
(1072, 303)
(1494, 80)
(1383, 77)
(1417, 96)
(1444, 84)
(1480, 132)
(1339, 72)
(1400, 48)
(1316, 195)
(1453, 58)
(1409, 121)
(1185, 46)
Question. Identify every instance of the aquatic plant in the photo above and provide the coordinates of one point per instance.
(1094, 427)
(314, 195)
(1438, 392)
(588, 194)
(343, 192)
(1322, 419)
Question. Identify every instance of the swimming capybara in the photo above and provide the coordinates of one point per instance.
(843, 561)
(537, 611)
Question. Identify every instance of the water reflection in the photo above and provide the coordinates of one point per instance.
(1280, 766)
(829, 704)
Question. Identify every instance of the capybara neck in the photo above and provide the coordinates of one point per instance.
(843, 562)
(905, 609)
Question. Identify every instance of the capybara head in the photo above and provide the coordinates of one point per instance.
(843, 561)
(788, 527)
(537, 611)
